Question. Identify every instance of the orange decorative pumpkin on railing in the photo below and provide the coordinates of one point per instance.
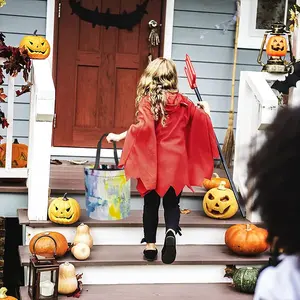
(19, 155)
(37, 46)
(276, 46)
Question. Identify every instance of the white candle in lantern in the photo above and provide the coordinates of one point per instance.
(46, 288)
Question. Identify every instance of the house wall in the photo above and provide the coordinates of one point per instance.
(19, 18)
(211, 55)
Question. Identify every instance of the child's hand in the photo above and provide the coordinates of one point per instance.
(112, 137)
(204, 105)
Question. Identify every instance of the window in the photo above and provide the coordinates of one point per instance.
(257, 16)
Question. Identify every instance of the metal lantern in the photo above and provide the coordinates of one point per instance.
(43, 276)
(276, 50)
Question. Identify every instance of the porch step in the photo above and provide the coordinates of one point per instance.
(193, 219)
(212, 291)
(132, 255)
(68, 178)
(197, 229)
(125, 265)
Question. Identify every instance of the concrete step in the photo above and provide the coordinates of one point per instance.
(213, 291)
(194, 264)
(197, 228)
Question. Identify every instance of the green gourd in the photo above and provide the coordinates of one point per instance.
(244, 279)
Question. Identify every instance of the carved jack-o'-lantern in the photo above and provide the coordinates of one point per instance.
(64, 210)
(279, 40)
(19, 155)
(220, 203)
(37, 46)
(276, 46)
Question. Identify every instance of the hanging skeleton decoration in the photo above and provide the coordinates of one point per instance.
(153, 38)
(121, 21)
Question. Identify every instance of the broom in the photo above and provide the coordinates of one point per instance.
(228, 146)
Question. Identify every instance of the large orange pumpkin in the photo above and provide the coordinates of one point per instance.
(215, 182)
(276, 46)
(45, 246)
(19, 155)
(246, 239)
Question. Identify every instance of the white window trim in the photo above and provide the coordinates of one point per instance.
(249, 36)
(167, 52)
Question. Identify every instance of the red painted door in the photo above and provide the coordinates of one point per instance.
(97, 72)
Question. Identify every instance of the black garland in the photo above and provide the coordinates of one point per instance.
(121, 21)
(290, 80)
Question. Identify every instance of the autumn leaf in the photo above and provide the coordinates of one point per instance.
(2, 95)
(4, 122)
(24, 89)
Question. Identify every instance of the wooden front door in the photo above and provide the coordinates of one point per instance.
(98, 70)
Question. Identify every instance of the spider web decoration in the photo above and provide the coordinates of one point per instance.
(121, 21)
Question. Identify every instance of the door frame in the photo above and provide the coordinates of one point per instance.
(51, 36)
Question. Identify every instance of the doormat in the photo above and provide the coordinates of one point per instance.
(121, 21)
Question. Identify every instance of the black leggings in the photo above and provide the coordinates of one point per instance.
(150, 215)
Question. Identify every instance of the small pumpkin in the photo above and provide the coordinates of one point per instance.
(38, 47)
(215, 182)
(220, 203)
(276, 46)
(244, 279)
(83, 235)
(3, 295)
(67, 280)
(45, 246)
(246, 239)
(19, 155)
(64, 210)
(81, 251)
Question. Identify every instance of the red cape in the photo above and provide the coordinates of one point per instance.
(180, 154)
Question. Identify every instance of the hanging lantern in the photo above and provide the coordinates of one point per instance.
(43, 275)
(276, 50)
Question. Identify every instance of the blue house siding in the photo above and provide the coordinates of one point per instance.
(212, 55)
(19, 18)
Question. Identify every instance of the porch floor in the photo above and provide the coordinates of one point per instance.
(69, 178)
(212, 291)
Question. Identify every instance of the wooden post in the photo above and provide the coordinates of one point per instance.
(257, 106)
(40, 138)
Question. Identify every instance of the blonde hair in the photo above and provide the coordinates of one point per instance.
(159, 77)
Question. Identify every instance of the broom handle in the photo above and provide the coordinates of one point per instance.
(231, 112)
(236, 194)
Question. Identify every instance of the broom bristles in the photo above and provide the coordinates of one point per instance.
(228, 147)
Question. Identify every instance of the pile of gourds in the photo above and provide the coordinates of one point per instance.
(80, 248)
(243, 239)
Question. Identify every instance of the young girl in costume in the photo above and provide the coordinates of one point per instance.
(274, 180)
(171, 146)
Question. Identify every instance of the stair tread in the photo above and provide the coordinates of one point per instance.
(212, 291)
(132, 255)
(68, 178)
(194, 219)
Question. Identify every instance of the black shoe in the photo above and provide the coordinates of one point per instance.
(150, 254)
(168, 253)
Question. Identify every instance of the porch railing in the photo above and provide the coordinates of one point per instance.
(8, 171)
(257, 107)
(40, 135)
